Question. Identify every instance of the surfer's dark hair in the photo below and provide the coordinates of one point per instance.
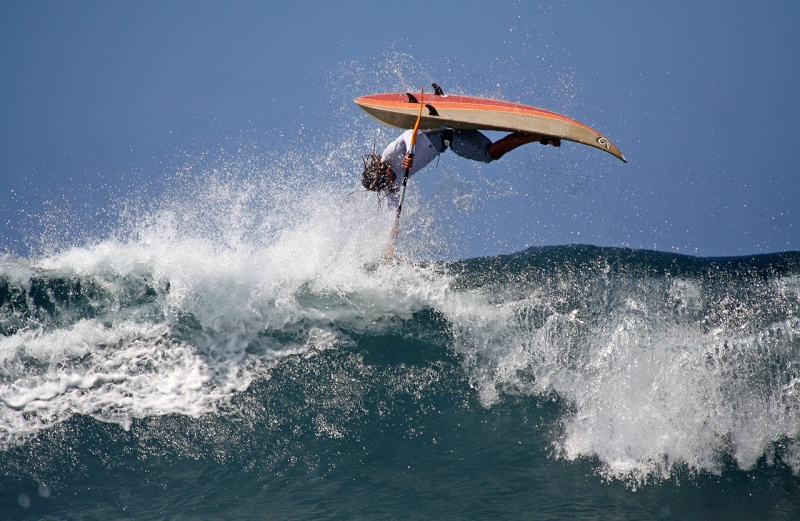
(376, 174)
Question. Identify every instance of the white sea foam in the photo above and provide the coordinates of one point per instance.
(189, 292)
(654, 381)
(654, 374)
(217, 269)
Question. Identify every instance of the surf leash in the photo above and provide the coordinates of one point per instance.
(389, 254)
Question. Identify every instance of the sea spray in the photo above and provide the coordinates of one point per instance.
(665, 360)
(194, 298)
(245, 317)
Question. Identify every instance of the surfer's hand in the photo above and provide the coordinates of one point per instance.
(408, 162)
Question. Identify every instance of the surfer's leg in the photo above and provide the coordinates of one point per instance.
(503, 146)
(437, 138)
(471, 144)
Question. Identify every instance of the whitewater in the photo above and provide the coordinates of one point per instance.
(234, 349)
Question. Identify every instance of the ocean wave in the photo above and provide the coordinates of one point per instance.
(660, 362)
(679, 363)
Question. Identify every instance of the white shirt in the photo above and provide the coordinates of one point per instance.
(424, 153)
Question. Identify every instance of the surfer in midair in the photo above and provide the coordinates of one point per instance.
(380, 172)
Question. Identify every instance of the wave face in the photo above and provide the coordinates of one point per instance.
(221, 360)
(663, 359)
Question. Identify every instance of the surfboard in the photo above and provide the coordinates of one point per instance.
(400, 109)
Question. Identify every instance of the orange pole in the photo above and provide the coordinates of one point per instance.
(389, 254)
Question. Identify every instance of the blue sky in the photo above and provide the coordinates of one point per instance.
(104, 100)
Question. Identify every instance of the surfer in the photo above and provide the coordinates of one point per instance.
(380, 172)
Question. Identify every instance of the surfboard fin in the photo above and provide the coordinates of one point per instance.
(437, 89)
(412, 98)
(431, 110)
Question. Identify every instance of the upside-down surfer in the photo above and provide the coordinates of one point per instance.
(457, 118)
(380, 172)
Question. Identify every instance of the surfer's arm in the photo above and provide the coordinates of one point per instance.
(397, 154)
(395, 151)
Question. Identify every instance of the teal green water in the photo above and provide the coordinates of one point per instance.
(556, 383)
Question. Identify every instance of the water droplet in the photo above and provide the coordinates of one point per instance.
(44, 491)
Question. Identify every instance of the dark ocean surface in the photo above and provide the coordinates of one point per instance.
(166, 378)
